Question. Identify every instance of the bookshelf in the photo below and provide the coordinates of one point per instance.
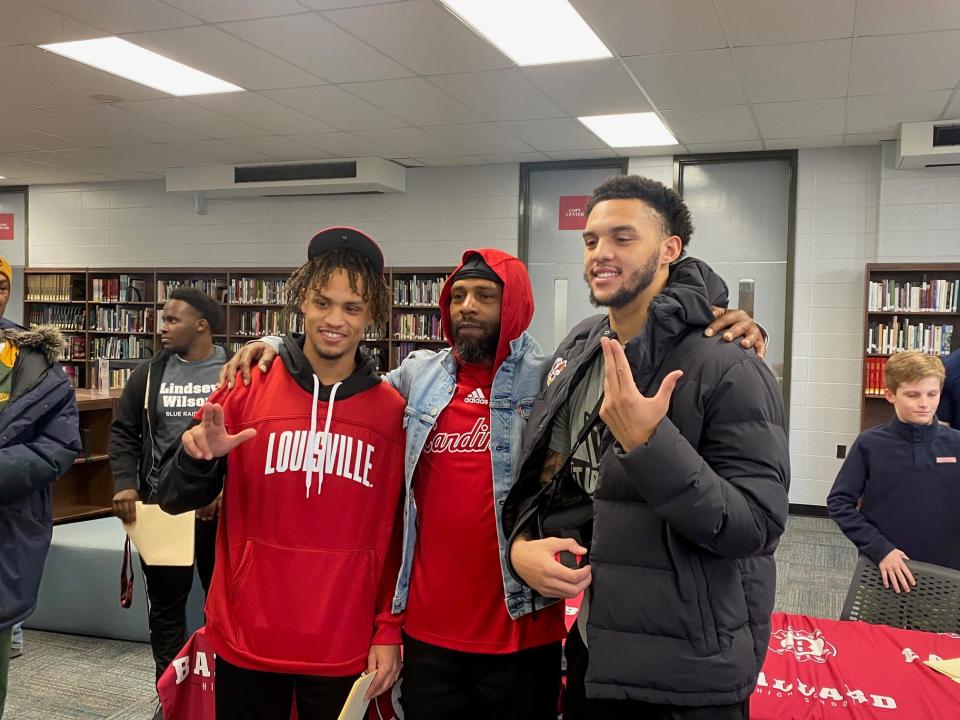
(908, 306)
(114, 313)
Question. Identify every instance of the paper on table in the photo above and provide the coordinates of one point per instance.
(950, 668)
(355, 708)
(161, 538)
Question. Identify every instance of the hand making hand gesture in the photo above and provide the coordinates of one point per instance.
(210, 439)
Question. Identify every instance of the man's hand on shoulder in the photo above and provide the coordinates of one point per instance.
(735, 323)
(255, 353)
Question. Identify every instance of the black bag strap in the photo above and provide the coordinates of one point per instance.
(591, 422)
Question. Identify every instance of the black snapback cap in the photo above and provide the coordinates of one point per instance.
(349, 238)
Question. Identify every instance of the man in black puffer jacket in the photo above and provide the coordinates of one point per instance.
(688, 471)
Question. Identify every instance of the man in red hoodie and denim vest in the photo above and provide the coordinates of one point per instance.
(310, 459)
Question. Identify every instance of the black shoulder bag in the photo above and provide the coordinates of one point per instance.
(562, 508)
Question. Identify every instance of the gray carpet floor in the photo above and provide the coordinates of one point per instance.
(68, 676)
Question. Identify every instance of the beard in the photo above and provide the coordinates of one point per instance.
(639, 280)
(476, 348)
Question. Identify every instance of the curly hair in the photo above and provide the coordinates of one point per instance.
(672, 212)
(316, 273)
(204, 305)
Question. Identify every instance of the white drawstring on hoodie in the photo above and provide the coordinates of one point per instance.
(311, 438)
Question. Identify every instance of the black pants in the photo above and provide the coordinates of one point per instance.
(255, 695)
(578, 707)
(442, 684)
(167, 591)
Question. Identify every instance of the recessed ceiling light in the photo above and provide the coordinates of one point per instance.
(2, 177)
(631, 130)
(532, 32)
(142, 66)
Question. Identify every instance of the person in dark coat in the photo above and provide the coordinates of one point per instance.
(39, 439)
(688, 471)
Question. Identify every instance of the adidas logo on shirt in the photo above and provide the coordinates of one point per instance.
(476, 398)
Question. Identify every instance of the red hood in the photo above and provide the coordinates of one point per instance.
(516, 309)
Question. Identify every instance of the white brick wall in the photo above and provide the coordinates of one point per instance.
(443, 212)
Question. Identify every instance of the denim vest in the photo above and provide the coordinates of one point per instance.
(427, 380)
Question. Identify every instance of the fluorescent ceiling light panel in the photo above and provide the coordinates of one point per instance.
(631, 130)
(532, 32)
(142, 66)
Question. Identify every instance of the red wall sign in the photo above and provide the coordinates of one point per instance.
(572, 216)
(6, 226)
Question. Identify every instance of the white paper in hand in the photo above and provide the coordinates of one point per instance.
(355, 708)
(161, 538)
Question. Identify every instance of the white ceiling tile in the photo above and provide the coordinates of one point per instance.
(43, 79)
(38, 140)
(455, 161)
(869, 138)
(421, 35)
(111, 126)
(905, 63)
(595, 87)
(890, 17)
(711, 125)
(262, 112)
(499, 94)
(690, 79)
(27, 22)
(214, 51)
(786, 21)
(217, 151)
(9, 146)
(882, 113)
(582, 154)
(319, 46)
(123, 16)
(804, 118)
(480, 138)
(281, 148)
(227, 10)
(336, 4)
(653, 26)
(557, 134)
(799, 71)
(516, 158)
(414, 100)
(410, 142)
(953, 111)
(343, 144)
(804, 142)
(336, 107)
(650, 151)
(182, 113)
(746, 146)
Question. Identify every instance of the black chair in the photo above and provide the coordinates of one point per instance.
(933, 605)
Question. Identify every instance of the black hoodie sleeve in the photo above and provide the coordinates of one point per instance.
(188, 484)
(126, 432)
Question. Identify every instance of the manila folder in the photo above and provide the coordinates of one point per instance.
(161, 538)
(355, 708)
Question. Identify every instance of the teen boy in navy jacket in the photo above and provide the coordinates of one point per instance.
(906, 477)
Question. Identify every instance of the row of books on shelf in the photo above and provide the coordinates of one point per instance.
(417, 291)
(873, 383)
(918, 296)
(108, 378)
(53, 288)
(127, 320)
(895, 335)
(257, 290)
(64, 317)
(75, 348)
(255, 323)
(121, 348)
(214, 287)
(417, 326)
(118, 289)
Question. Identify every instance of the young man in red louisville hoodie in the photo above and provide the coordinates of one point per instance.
(310, 460)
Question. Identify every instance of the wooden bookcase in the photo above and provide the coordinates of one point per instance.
(906, 308)
(86, 490)
(115, 312)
